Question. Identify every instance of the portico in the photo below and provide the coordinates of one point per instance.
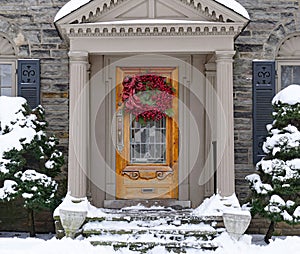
(194, 37)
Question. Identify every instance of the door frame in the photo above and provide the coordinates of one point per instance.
(183, 63)
(160, 180)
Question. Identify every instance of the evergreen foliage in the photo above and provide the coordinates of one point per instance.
(28, 173)
(275, 189)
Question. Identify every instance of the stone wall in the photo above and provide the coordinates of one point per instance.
(260, 226)
(29, 24)
(271, 22)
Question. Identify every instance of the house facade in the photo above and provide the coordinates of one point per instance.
(224, 62)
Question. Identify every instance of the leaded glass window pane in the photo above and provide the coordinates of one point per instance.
(290, 74)
(148, 142)
(6, 80)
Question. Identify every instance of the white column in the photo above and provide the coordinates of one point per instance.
(225, 121)
(78, 126)
(210, 133)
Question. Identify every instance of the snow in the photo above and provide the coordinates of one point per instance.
(12, 110)
(257, 184)
(289, 95)
(278, 169)
(27, 195)
(159, 224)
(280, 141)
(32, 175)
(73, 5)
(18, 125)
(141, 207)
(277, 200)
(290, 203)
(8, 187)
(294, 164)
(217, 205)
(287, 216)
(297, 212)
(49, 164)
(229, 246)
(79, 204)
(235, 6)
(70, 7)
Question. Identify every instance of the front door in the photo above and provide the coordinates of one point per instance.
(147, 138)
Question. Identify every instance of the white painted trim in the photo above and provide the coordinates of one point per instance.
(179, 45)
(183, 63)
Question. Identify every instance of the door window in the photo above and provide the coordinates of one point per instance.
(148, 142)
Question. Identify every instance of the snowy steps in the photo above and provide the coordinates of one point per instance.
(141, 230)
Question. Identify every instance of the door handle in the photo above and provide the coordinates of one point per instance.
(120, 131)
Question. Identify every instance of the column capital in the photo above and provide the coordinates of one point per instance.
(210, 67)
(78, 56)
(224, 55)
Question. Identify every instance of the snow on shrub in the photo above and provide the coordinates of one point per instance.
(276, 186)
(29, 158)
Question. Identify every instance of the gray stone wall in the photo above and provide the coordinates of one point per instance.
(29, 24)
(271, 22)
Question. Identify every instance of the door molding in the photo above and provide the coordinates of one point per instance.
(183, 63)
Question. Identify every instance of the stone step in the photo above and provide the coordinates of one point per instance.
(163, 203)
(169, 215)
(143, 235)
(160, 229)
(176, 234)
(157, 224)
(142, 246)
(141, 229)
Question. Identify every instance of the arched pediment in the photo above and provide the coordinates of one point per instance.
(290, 47)
(6, 47)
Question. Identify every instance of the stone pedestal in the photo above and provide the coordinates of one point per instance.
(236, 223)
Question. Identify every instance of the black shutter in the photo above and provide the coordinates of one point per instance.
(263, 93)
(29, 81)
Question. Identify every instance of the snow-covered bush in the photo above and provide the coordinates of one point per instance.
(29, 158)
(276, 187)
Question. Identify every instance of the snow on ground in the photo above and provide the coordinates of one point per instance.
(217, 205)
(10, 245)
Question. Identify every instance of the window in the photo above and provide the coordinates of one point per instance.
(7, 78)
(148, 142)
(7, 67)
(288, 73)
(288, 62)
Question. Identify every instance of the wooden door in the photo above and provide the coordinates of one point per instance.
(146, 153)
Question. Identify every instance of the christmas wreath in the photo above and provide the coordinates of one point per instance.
(148, 97)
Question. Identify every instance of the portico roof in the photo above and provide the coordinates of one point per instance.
(155, 18)
(73, 5)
